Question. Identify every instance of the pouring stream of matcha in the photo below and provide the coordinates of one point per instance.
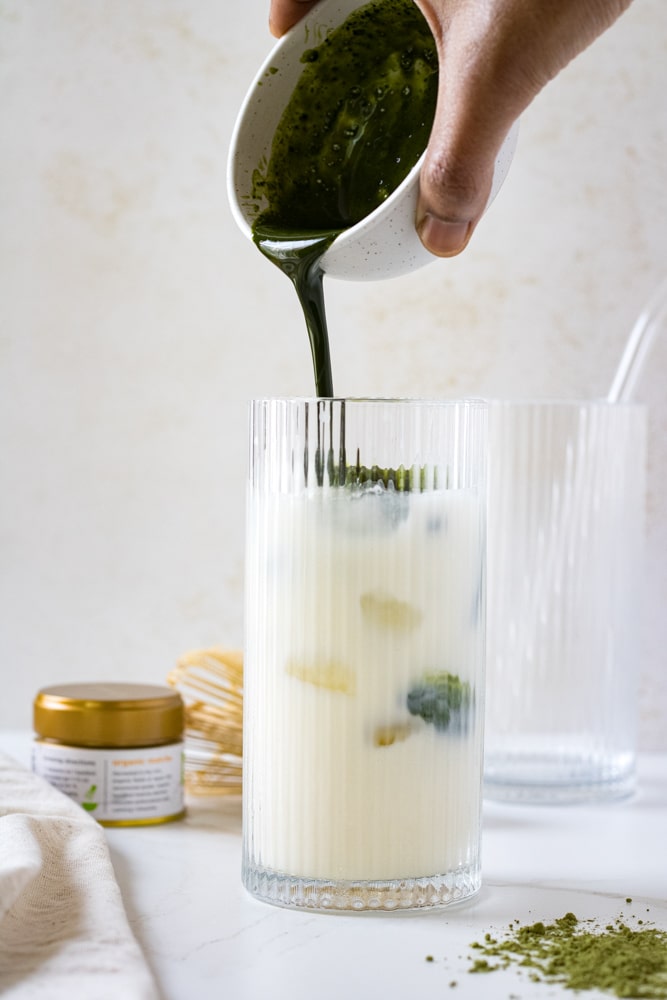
(357, 122)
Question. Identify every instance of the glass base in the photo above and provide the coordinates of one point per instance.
(557, 779)
(358, 896)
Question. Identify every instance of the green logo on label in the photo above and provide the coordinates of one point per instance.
(88, 799)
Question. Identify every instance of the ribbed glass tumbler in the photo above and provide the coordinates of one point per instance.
(364, 652)
(566, 537)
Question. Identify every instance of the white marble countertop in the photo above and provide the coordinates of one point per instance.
(205, 937)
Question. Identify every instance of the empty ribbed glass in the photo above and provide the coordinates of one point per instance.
(364, 655)
(566, 531)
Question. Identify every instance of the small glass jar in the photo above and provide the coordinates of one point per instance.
(115, 748)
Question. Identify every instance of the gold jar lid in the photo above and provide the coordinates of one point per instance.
(109, 715)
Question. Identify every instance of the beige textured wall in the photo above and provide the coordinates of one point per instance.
(135, 321)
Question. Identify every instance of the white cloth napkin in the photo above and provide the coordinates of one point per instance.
(63, 928)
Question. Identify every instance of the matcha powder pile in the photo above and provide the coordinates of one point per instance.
(581, 955)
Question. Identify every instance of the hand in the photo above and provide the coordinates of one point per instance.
(495, 56)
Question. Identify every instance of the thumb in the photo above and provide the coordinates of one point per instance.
(472, 119)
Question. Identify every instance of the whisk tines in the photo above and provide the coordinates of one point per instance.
(210, 682)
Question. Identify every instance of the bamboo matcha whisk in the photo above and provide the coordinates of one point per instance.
(210, 682)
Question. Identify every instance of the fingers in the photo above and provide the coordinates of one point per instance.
(284, 14)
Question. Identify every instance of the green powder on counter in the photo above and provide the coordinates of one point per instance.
(581, 955)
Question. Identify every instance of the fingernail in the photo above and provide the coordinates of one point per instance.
(444, 239)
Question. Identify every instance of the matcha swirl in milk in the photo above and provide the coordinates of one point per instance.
(366, 763)
(365, 596)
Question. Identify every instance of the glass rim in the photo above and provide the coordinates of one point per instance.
(483, 402)
(416, 401)
(565, 402)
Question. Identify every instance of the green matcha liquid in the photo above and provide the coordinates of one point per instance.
(357, 122)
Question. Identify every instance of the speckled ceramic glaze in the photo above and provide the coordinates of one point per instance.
(385, 243)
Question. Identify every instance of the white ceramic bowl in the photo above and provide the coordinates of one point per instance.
(385, 243)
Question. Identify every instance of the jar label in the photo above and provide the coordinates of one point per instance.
(119, 786)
